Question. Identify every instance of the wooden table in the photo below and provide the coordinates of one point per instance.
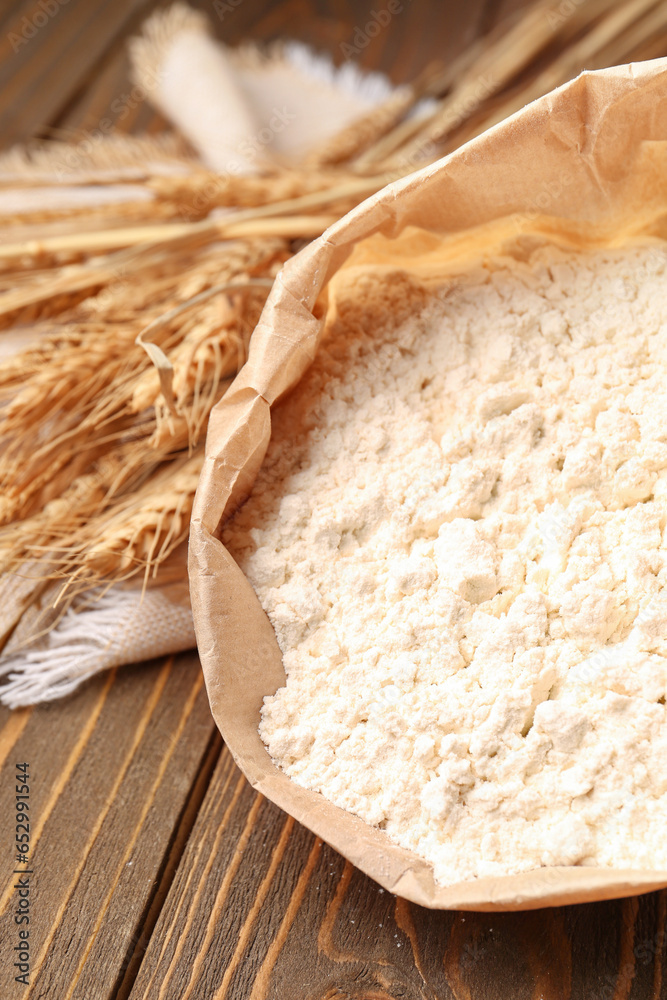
(158, 874)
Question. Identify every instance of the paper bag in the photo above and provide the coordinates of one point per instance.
(586, 163)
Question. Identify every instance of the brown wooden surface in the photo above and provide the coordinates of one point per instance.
(115, 784)
(158, 873)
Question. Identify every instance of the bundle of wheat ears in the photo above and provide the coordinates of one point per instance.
(132, 274)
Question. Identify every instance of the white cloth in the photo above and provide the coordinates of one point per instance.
(119, 627)
(243, 107)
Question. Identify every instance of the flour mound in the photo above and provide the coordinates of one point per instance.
(458, 536)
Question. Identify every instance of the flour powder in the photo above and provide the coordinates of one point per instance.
(458, 535)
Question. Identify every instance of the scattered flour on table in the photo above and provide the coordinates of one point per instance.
(458, 535)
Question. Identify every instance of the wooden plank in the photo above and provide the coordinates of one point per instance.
(506, 8)
(108, 98)
(111, 101)
(114, 776)
(260, 908)
(45, 58)
(424, 33)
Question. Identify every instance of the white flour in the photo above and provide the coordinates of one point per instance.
(458, 535)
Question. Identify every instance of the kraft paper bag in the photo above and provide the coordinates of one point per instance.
(585, 165)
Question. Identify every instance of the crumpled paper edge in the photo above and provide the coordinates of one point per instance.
(590, 156)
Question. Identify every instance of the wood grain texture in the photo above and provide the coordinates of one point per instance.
(260, 909)
(159, 873)
(47, 51)
(112, 773)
